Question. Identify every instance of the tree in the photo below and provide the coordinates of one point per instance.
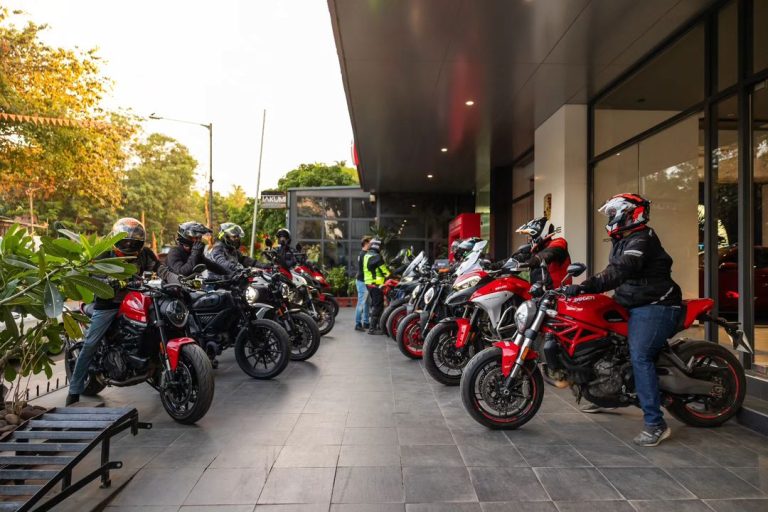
(318, 175)
(160, 186)
(67, 168)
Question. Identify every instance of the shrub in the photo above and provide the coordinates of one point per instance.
(339, 280)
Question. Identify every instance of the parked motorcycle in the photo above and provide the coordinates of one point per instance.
(489, 301)
(147, 342)
(312, 273)
(223, 318)
(401, 293)
(314, 303)
(585, 346)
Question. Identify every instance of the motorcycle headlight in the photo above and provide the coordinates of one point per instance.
(407, 279)
(251, 295)
(524, 315)
(429, 296)
(176, 313)
(299, 281)
(415, 292)
(466, 283)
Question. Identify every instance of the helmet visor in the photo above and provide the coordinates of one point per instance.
(129, 245)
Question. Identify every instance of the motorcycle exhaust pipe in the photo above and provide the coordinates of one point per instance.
(674, 381)
(128, 382)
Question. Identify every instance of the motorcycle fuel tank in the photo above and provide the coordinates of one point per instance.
(493, 295)
(213, 301)
(135, 306)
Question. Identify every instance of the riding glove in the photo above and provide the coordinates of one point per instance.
(573, 290)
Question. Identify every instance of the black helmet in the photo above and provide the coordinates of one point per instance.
(537, 229)
(231, 234)
(375, 245)
(190, 232)
(135, 235)
(283, 233)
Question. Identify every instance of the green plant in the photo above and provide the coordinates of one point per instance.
(36, 280)
(352, 288)
(338, 279)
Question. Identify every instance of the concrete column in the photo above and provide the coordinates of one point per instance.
(560, 169)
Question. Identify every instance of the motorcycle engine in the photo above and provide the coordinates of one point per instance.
(612, 384)
(115, 364)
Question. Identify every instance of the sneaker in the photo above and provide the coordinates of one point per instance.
(652, 436)
(359, 328)
(595, 409)
(72, 399)
(215, 363)
(366, 326)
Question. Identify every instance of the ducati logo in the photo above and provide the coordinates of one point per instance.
(583, 298)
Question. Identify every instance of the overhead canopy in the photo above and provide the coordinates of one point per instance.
(409, 66)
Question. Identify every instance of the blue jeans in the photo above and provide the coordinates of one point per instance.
(649, 329)
(100, 322)
(362, 312)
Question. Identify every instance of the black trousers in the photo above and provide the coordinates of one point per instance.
(377, 304)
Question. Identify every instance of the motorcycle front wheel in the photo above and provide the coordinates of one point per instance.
(325, 317)
(262, 349)
(443, 361)
(71, 350)
(304, 337)
(188, 396)
(409, 339)
(330, 298)
(718, 365)
(394, 319)
(490, 402)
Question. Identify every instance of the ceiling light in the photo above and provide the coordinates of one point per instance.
(430, 176)
(413, 206)
(444, 150)
(469, 103)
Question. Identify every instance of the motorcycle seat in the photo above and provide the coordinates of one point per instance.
(693, 309)
(87, 309)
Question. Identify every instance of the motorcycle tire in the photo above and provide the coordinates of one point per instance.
(735, 385)
(330, 298)
(195, 368)
(301, 349)
(251, 348)
(442, 360)
(326, 319)
(388, 311)
(394, 320)
(92, 386)
(409, 339)
(483, 375)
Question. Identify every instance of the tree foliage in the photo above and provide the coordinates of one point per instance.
(70, 170)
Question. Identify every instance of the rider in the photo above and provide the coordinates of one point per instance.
(362, 312)
(226, 251)
(543, 247)
(375, 272)
(105, 310)
(183, 258)
(285, 256)
(640, 271)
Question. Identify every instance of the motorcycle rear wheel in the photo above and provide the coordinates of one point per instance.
(306, 339)
(330, 298)
(482, 392)
(409, 339)
(442, 360)
(188, 398)
(394, 319)
(326, 319)
(265, 343)
(92, 386)
(711, 411)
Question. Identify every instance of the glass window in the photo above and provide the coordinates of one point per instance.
(309, 229)
(522, 179)
(336, 254)
(360, 228)
(336, 229)
(727, 46)
(363, 208)
(760, 35)
(336, 207)
(760, 211)
(309, 206)
(668, 84)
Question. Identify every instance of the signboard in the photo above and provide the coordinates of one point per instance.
(274, 200)
(548, 206)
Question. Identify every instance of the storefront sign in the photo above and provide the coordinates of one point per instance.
(548, 206)
(274, 200)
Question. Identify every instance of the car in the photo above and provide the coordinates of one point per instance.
(728, 280)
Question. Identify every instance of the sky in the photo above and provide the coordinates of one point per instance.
(219, 61)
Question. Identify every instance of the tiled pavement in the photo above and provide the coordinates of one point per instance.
(360, 428)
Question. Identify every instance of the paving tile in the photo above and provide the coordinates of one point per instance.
(552, 456)
(753, 505)
(506, 456)
(318, 507)
(594, 506)
(424, 435)
(227, 487)
(443, 507)
(670, 454)
(645, 484)
(431, 455)
(519, 506)
(757, 477)
(566, 484)
(715, 483)
(258, 456)
(368, 507)
(308, 456)
(315, 435)
(171, 508)
(430, 485)
(159, 486)
(215, 508)
(670, 506)
(507, 484)
(298, 485)
(176, 456)
(314, 420)
(370, 436)
(420, 419)
(610, 455)
(377, 418)
(369, 456)
(368, 485)
(480, 436)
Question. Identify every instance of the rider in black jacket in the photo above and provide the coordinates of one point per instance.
(226, 251)
(188, 254)
(284, 254)
(640, 271)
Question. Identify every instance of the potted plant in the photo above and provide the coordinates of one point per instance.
(35, 281)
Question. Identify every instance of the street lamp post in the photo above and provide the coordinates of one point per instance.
(209, 127)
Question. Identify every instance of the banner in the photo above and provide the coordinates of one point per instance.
(274, 200)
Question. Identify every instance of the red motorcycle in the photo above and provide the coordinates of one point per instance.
(311, 273)
(585, 346)
(147, 343)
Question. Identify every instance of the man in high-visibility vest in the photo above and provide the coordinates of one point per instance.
(375, 272)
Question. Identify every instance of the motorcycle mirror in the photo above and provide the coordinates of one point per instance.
(146, 275)
(511, 264)
(199, 269)
(268, 242)
(576, 269)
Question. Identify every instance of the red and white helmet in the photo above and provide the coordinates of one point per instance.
(625, 212)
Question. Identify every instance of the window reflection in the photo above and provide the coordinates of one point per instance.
(309, 206)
